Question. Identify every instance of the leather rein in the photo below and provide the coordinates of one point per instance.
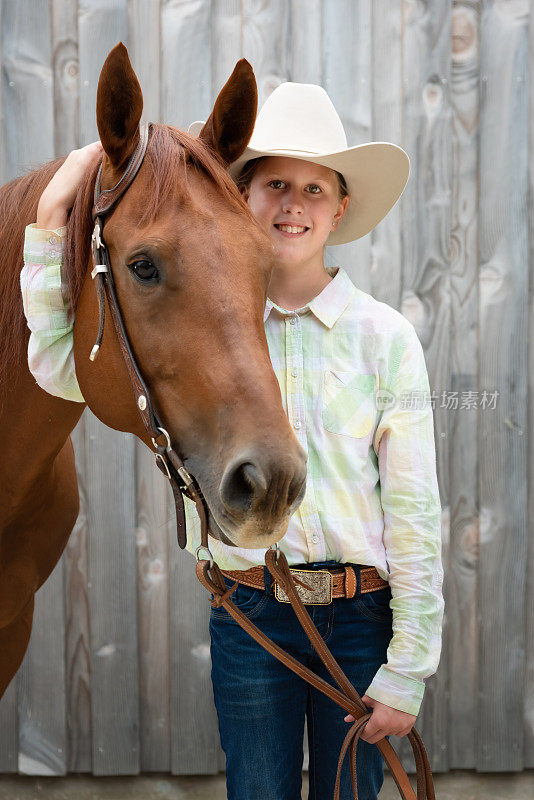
(183, 483)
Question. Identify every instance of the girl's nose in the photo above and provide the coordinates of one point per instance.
(292, 206)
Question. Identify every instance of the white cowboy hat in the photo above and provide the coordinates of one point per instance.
(298, 120)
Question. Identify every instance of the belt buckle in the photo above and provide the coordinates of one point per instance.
(321, 581)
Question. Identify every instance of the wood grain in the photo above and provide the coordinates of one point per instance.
(461, 511)
(78, 623)
(27, 86)
(152, 538)
(503, 304)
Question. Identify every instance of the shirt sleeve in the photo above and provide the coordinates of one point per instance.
(48, 313)
(404, 442)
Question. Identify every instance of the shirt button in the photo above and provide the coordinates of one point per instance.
(296, 424)
(294, 372)
(315, 539)
(292, 320)
(52, 239)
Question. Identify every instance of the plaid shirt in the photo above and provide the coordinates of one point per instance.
(355, 389)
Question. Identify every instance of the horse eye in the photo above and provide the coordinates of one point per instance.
(144, 271)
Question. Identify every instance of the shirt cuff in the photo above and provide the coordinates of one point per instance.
(44, 237)
(397, 691)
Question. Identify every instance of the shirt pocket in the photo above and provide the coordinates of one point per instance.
(349, 406)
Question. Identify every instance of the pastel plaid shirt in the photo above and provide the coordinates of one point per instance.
(355, 388)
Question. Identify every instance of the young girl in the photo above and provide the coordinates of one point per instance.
(355, 388)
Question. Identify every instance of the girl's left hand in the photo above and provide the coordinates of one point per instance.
(384, 721)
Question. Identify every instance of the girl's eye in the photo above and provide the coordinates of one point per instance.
(276, 180)
(144, 271)
(314, 186)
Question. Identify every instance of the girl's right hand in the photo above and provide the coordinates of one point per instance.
(58, 197)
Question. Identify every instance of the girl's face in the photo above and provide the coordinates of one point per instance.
(296, 202)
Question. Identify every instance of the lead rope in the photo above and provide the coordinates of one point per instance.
(348, 698)
(217, 586)
(282, 574)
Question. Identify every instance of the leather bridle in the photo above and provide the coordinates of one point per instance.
(182, 483)
(168, 461)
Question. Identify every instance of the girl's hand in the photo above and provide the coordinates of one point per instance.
(384, 721)
(58, 197)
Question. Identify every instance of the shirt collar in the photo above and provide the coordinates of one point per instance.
(329, 304)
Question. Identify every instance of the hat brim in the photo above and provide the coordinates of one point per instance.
(376, 174)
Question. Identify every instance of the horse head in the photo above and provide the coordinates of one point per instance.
(191, 269)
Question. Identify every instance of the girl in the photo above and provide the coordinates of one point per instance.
(369, 525)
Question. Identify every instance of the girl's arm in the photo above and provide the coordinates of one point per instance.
(44, 286)
(412, 531)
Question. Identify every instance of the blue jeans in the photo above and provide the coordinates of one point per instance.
(261, 704)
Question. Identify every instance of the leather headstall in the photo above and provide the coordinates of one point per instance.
(168, 461)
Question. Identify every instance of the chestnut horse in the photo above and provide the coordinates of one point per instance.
(196, 330)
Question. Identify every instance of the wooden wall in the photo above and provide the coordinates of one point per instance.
(116, 679)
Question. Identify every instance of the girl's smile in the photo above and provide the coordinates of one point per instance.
(290, 230)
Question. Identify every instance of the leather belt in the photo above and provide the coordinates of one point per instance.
(316, 586)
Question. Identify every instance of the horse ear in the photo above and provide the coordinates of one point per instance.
(229, 126)
(119, 103)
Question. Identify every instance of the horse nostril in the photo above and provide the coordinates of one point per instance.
(241, 485)
(297, 486)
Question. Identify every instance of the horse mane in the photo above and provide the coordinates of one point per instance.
(169, 152)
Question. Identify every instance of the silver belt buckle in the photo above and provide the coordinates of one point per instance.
(321, 581)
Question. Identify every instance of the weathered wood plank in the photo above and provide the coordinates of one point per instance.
(42, 724)
(461, 513)
(226, 42)
(265, 32)
(529, 630)
(385, 271)
(27, 81)
(144, 36)
(101, 25)
(110, 465)
(425, 221)
(503, 287)
(65, 72)
(305, 62)
(186, 61)
(347, 79)
(77, 628)
(153, 515)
